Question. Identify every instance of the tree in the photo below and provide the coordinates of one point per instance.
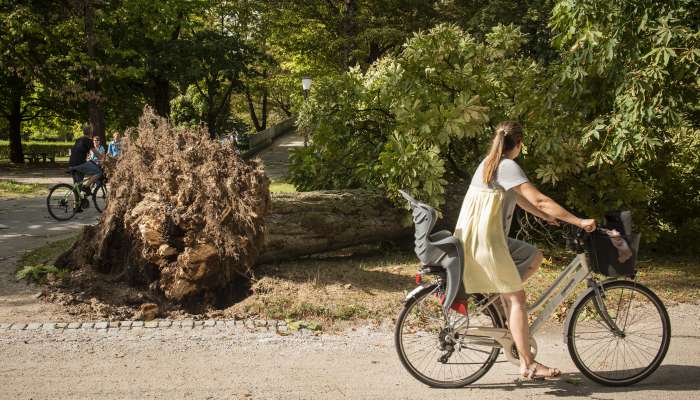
(157, 31)
(26, 66)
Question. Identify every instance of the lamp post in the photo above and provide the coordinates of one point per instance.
(306, 85)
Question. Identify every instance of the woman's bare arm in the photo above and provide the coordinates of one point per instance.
(529, 207)
(548, 206)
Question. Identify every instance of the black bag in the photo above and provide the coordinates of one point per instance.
(604, 256)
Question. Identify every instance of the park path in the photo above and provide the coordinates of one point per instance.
(238, 362)
(275, 158)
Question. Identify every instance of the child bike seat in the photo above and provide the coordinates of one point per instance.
(439, 249)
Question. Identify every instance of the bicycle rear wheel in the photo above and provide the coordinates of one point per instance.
(626, 357)
(422, 341)
(99, 196)
(62, 202)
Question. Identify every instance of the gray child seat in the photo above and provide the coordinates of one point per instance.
(439, 249)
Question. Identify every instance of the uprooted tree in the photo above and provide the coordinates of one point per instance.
(186, 216)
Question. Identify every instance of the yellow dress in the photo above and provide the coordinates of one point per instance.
(488, 265)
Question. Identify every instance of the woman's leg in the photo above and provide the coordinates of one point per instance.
(517, 322)
(534, 266)
(525, 275)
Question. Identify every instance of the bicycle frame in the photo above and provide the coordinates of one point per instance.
(576, 272)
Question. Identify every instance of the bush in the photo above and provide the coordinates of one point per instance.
(55, 149)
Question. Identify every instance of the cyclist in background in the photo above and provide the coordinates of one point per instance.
(79, 163)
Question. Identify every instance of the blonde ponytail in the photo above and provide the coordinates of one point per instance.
(508, 135)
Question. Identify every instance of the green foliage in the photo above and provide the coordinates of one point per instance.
(410, 119)
(37, 147)
(39, 272)
(637, 64)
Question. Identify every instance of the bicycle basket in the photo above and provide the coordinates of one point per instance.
(616, 254)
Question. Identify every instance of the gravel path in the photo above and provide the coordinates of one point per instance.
(232, 362)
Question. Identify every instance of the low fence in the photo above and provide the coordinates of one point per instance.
(264, 138)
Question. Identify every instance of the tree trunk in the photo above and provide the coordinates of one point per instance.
(302, 224)
(14, 120)
(95, 108)
(251, 110)
(161, 96)
(264, 109)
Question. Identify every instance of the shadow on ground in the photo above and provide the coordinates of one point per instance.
(668, 378)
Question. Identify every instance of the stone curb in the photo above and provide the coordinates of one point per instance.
(102, 326)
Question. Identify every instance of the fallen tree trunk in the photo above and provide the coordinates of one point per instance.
(302, 224)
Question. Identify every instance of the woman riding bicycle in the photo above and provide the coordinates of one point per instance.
(493, 262)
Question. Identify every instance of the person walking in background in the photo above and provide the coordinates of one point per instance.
(114, 147)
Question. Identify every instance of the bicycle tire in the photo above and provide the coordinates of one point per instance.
(398, 343)
(100, 193)
(70, 210)
(589, 301)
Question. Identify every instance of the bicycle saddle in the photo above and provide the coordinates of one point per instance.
(436, 249)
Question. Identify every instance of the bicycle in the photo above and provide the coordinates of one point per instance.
(617, 332)
(64, 200)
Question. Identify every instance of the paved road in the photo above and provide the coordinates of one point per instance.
(25, 224)
(233, 363)
(276, 157)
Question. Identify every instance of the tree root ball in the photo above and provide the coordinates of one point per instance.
(184, 214)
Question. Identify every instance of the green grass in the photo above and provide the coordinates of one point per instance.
(47, 253)
(16, 189)
(37, 264)
(282, 187)
(370, 288)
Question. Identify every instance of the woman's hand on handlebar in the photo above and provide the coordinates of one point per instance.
(588, 225)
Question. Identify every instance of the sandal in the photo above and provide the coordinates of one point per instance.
(531, 372)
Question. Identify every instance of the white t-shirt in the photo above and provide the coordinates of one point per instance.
(508, 175)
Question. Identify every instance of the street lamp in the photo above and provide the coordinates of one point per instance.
(306, 85)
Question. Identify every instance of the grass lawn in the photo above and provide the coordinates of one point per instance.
(16, 189)
(371, 287)
(282, 187)
(344, 288)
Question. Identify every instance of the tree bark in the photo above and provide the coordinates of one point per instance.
(306, 223)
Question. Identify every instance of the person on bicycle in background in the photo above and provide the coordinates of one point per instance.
(495, 263)
(79, 163)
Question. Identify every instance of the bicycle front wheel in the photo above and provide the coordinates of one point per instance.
(630, 355)
(62, 202)
(436, 354)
